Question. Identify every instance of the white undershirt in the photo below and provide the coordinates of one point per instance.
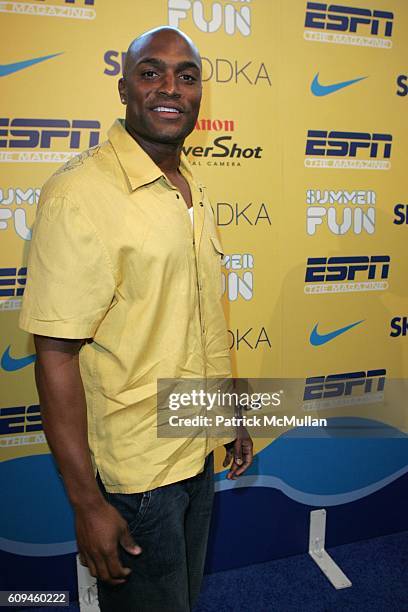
(191, 212)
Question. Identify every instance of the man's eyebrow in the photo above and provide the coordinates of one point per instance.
(154, 61)
(187, 64)
(151, 60)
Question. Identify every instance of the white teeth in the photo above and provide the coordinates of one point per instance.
(165, 109)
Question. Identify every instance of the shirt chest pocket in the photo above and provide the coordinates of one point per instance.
(215, 259)
(217, 246)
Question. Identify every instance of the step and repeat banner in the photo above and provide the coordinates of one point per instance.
(302, 143)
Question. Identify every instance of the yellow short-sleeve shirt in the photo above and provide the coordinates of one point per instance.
(114, 258)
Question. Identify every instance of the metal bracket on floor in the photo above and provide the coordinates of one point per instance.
(87, 589)
(317, 536)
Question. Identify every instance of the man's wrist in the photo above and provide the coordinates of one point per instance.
(88, 502)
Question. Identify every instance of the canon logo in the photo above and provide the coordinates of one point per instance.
(215, 125)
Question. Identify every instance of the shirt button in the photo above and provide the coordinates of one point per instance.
(201, 204)
(177, 195)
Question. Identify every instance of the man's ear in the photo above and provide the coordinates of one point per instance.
(122, 90)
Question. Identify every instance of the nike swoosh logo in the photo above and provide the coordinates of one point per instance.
(323, 90)
(318, 339)
(6, 69)
(10, 364)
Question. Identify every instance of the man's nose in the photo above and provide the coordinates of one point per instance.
(169, 84)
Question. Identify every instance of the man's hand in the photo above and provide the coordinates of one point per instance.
(100, 531)
(240, 452)
(99, 527)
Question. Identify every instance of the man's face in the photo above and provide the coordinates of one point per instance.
(162, 89)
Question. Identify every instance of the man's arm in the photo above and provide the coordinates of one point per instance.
(99, 527)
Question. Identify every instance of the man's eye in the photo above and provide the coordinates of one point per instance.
(149, 74)
(187, 77)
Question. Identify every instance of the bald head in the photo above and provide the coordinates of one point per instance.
(161, 86)
(165, 34)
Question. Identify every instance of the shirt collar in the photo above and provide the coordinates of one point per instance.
(185, 167)
(139, 168)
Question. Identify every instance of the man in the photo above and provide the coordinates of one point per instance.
(122, 290)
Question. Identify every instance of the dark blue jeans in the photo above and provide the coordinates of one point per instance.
(171, 525)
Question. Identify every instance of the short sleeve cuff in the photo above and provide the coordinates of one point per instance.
(70, 330)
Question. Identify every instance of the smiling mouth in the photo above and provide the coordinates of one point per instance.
(167, 109)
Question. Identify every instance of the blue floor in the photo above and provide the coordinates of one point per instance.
(378, 569)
